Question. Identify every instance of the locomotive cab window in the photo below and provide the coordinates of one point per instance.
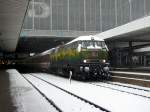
(92, 44)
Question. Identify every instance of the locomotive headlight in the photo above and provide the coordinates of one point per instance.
(104, 61)
(106, 69)
(84, 61)
(86, 69)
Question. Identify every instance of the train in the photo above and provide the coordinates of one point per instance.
(85, 57)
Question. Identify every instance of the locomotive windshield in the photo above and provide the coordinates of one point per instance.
(93, 44)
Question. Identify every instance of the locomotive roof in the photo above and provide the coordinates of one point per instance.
(85, 38)
(47, 52)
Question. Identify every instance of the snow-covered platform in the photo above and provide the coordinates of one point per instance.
(17, 95)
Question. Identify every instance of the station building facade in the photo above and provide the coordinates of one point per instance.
(83, 15)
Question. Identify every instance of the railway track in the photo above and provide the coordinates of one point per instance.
(121, 90)
(111, 86)
(134, 78)
(111, 83)
(70, 95)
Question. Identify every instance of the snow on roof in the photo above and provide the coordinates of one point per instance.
(89, 37)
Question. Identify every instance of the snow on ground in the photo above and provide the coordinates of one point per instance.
(63, 100)
(25, 97)
(112, 100)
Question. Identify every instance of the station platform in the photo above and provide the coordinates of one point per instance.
(17, 95)
(141, 78)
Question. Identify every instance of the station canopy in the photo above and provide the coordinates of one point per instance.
(138, 30)
(12, 14)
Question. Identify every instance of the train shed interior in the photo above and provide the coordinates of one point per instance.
(40, 73)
